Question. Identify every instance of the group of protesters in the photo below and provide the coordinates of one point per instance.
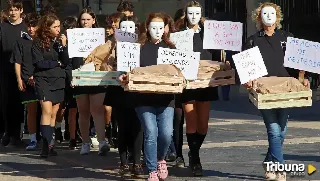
(36, 76)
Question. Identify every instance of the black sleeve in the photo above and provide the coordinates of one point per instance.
(17, 53)
(64, 57)
(37, 53)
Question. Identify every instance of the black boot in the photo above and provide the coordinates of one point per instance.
(45, 148)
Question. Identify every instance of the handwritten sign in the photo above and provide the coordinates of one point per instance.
(183, 40)
(222, 35)
(122, 36)
(128, 56)
(302, 55)
(186, 61)
(82, 41)
(250, 65)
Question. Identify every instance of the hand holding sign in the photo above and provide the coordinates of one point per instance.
(128, 56)
(250, 65)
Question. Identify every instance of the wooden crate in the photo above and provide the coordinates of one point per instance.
(218, 78)
(158, 84)
(95, 78)
(283, 100)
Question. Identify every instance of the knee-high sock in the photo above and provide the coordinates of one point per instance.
(194, 148)
(46, 131)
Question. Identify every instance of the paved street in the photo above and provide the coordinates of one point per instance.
(233, 150)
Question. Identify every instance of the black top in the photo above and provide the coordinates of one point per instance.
(9, 34)
(272, 49)
(22, 55)
(148, 57)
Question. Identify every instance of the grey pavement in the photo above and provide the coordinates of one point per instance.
(233, 150)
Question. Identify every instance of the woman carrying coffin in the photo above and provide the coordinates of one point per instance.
(272, 42)
(24, 69)
(196, 103)
(49, 75)
(90, 99)
(155, 111)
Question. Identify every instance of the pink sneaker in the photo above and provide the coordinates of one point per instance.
(153, 176)
(162, 169)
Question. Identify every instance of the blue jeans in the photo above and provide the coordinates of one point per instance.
(157, 123)
(275, 121)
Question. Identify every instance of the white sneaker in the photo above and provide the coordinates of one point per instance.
(94, 141)
(103, 148)
(85, 149)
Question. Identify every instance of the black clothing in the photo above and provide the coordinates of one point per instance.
(50, 82)
(148, 57)
(272, 49)
(178, 123)
(9, 34)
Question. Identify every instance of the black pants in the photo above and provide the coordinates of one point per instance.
(178, 132)
(130, 134)
(12, 109)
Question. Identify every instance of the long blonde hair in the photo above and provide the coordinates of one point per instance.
(256, 15)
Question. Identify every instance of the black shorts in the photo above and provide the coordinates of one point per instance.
(28, 95)
(114, 96)
(89, 90)
(200, 95)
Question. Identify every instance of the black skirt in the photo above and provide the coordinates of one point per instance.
(200, 95)
(50, 89)
(88, 90)
(115, 96)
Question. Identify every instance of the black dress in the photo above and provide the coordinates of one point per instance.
(202, 94)
(49, 76)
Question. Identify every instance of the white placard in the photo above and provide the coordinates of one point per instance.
(128, 56)
(88, 67)
(302, 55)
(183, 40)
(82, 41)
(222, 35)
(250, 65)
(122, 36)
(186, 61)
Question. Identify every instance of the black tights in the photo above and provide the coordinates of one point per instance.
(178, 131)
(130, 134)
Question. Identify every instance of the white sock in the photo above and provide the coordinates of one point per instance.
(58, 125)
(33, 137)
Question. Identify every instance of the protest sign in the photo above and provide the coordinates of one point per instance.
(250, 65)
(82, 41)
(222, 35)
(183, 40)
(122, 36)
(128, 56)
(302, 55)
(186, 61)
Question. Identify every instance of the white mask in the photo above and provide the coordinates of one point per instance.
(268, 16)
(194, 15)
(156, 30)
(128, 26)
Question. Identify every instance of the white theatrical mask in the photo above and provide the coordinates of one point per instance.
(128, 26)
(268, 16)
(156, 30)
(194, 15)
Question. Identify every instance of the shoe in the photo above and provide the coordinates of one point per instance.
(45, 149)
(85, 149)
(32, 146)
(52, 152)
(269, 175)
(5, 139)
(94, 141)
(137, 171)
(162, 169)
(197, 170)
(58, 135)
(171, 157)
(180, 162)
(124, 170)
(281, 176)
(103, 149)
(73, 144)
(153, 176)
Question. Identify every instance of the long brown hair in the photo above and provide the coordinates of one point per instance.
(92, 14)
(43, 32)
(183, 23)
(144, 35)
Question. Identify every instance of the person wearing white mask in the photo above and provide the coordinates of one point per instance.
(155, 111)
(271, 41)
(196, 103)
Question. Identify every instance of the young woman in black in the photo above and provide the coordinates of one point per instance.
(155, 111)
(196, 103)
(49, 59)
